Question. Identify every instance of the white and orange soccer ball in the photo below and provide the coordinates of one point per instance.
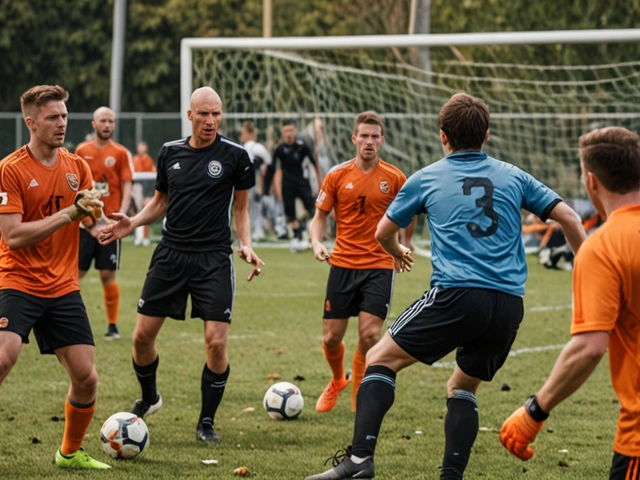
(124, 435)
(283, 401)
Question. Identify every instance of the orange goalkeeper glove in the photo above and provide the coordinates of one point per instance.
(520, 429)
(84, 204)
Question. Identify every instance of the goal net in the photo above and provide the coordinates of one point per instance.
(537, 112)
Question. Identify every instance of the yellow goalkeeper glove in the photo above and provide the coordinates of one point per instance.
(85, 203)
(520, 429)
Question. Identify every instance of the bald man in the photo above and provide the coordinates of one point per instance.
(111, 168)
(199, 178)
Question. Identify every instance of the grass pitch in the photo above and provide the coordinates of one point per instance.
(276, 329)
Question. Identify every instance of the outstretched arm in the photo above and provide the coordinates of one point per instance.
(152, 211)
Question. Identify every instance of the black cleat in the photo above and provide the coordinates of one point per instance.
(206, 433)
(345, 468)
(142, 408)
(112, 331)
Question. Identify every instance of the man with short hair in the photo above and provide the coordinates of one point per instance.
(201, 179)
(261, 159)
(290, 161)
(110, 165)
(473, 204)
(362, 274)
(44, 190)
(606, 304)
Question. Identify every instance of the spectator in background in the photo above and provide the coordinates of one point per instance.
(261, 159)
(142, 162)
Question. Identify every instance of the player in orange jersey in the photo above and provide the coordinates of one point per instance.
(142, 192)
(606, 303)
(362, 273)
(43, 191)
(110, 165)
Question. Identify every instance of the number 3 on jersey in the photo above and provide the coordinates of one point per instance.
(485, 202)
(4, 198)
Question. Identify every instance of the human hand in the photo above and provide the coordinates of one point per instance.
(114, 230)
(83, 205)
(518, 431)
(403, 261)
(320, 252)
(249, 256)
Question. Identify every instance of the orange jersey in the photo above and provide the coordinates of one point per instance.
(143, 163)
(359, 200)
(606, 283)
(110, 166)
(50, 267)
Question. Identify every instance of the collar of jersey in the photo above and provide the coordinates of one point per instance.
(467, 156)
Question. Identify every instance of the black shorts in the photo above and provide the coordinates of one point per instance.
(481, 324)
(350, 292)
(107, 256)
(208, 277)
(624, 468)
(56, 322)
(301, 190)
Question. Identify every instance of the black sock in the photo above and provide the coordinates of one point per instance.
(375, 397)
(297, 233)
(460, 431)
(147, 379)
(212, 388)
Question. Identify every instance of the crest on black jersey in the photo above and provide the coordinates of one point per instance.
(214, 169)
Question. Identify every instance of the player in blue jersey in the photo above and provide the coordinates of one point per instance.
(473, 205)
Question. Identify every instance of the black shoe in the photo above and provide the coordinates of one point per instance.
(142, 408)
(112, 331)
(345, 468)
(206, 433)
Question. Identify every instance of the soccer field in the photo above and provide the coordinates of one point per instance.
(276, 329)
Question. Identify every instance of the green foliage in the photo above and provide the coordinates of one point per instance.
(277, 328)
(70, 42)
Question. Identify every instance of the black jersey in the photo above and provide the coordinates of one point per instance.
(199, 184)
(291, 158)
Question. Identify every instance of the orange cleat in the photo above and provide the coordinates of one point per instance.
(330, 395)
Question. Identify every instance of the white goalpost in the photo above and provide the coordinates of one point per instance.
(537, 112)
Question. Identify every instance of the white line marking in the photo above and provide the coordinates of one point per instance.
(549, 307)
(513, 353)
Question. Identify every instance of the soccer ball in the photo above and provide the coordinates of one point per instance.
(124, 435)
(283, 401)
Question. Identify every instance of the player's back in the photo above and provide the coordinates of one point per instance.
(473, 204)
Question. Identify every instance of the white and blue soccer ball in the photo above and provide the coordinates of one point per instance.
(124, 435)
(283, 401)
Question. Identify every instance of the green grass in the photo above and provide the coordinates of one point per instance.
(277, 329)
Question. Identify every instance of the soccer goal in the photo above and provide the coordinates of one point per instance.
(538, 112)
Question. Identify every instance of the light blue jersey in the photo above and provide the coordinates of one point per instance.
(473, 204)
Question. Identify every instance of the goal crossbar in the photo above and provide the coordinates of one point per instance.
(386, 41)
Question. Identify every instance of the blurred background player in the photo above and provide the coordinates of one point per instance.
(606, 303)
(289, 160)
(261, 159)
(200, 179)
(473, 204)
(362, 274)
(140, 192)
(110, 165)
(40, 202)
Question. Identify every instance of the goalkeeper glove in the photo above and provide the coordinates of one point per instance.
(521, 428)
(84, 204)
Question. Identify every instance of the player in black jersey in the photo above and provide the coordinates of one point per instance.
(199, 178)
(290, 157)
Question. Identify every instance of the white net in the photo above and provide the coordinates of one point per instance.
(538, 112)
